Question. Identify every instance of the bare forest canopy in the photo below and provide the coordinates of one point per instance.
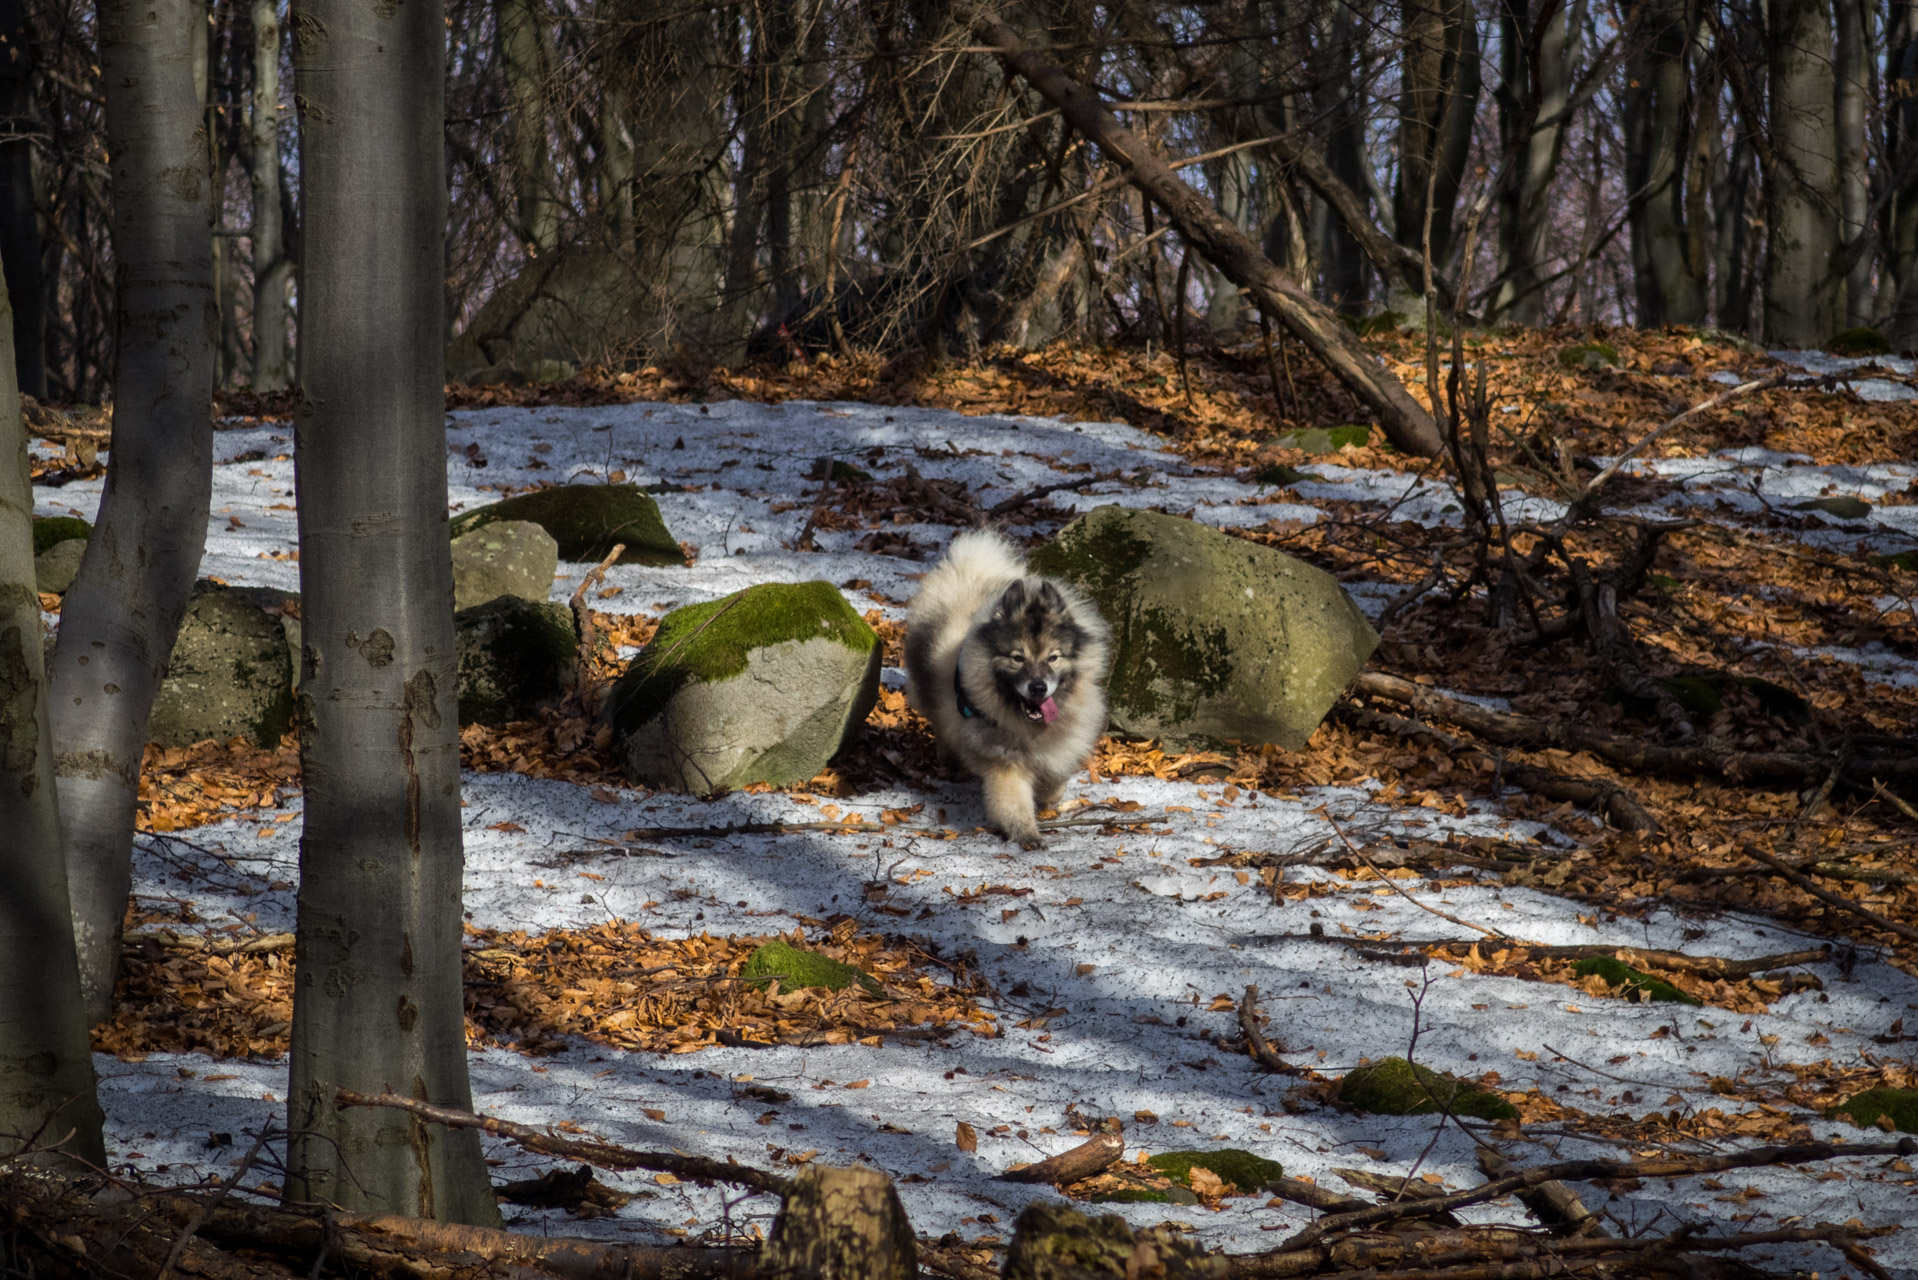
(633, 182)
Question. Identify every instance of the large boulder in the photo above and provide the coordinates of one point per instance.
(1214, 638)
(503, 558)
(233, 668)
(516, 657)
(586, 521)
(765, 685)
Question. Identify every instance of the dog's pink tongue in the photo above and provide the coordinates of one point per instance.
(1050, 710)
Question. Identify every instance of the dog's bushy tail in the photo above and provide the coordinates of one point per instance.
(984, 554)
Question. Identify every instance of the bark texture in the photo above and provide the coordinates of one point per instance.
(1227, 248)
(19, 222)
(272, 270)
(1438, 96)
(1669, 260)
(377, 994)
(1899, 299)
(841, 1224)
(1538, 48)
(1802, 183)
(123, 612)
(46, 1070)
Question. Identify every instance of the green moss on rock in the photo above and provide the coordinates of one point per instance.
(515, 657)
(1053, 1242)
(1590, 355)
(1903, 560)
(1628, 983)
(1280, 476)
(1395, 1087)
(796, 968)
(587, 521)
(50, 531)
(1703, 694)
(1856, 342)
(711, 641)
(1241, 1168)
(1132, 1195)
(1900, 1106)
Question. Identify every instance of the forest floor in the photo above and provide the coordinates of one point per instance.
(1380, 891)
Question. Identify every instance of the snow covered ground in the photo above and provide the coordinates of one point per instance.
(1115, 955)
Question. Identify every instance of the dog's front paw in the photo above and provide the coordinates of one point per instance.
(1025, 837)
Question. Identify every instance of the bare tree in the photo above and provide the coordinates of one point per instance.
(1663, 101)
(1801, 185)
(377, 1000)
(272, 269)
(123, 612)
(1538, 48)
(1439, 81)
(19, 216)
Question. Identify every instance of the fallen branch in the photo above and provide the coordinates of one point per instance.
(1262, 1051)
(1645, 441)
(1099, 1152)
(1843, 903)
(603, 1155)
(1553, 1203)
(1018, 500)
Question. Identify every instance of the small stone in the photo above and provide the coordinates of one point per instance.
(55, 568)
(1395, 1087)
(548, 371)
(507, 558)
(1840, 508)
(1590, 356)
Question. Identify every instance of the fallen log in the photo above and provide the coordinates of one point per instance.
(1096, 1154)
(1230, 251)
(1553, 1203)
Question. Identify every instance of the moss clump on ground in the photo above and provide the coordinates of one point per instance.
(1280, 476)
(1241, 1168)
(1704, 694)
(51, 531)
(836, 471)
(1628, 983)
(1395, 1087)
(796, 968)
(587, 521)
(1900, 1106)
(1861, 341)
(1053, 1242)
(1133, 1195)
(1590, 355)
(710, 642)
(1905, 560)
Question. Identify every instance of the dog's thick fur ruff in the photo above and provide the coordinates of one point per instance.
(983, 637)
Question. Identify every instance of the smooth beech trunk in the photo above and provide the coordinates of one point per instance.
(1801, 185)
(1662, 108)
(123, 612)
(377, 988)
(271, 267)
(46, 1069)
(1538, 47)
(1898, 297)
(19, 219)
(1439, 81)
(1853, 72)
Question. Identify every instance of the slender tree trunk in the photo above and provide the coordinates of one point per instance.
(1343, 277)
(1538, 48)
(123, 612)
(1438, 96)
(1802, 185)
(46, 1067)
(1731, 236)
(272, 269)
(1901, 157)
(377, 994)
(19, 218)
(613, 171)
(1853, 74)
(526, 58)
(1668, 252)
(1232, 179)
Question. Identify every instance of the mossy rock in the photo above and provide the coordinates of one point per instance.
(1907, 561)
(1053, 1242)
(1839, 507)
(1375, 326)
(1865, 1109)
(1214, 638)
(1133, 1195)
(1590, 355)
(1726, 338)
(1395, 1087)
(231, 674)
(55, 568)
(1280, 476)
(796, 968)
(1319, 440)
(1241, 1168)
(1704, 695)
(1858, 342)
(766, 685)
(503, 558)
(1628, 983)
(516, 657)
(51, 531)
(587, 521)
(836, 471)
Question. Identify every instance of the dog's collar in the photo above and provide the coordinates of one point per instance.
(966, 709)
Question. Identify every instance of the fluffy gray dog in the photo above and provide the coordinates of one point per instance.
(1010, 670)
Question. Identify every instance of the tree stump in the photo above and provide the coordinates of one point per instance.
(841, 1224)
(1052, 1242)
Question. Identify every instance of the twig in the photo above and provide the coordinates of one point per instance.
(1262, 1051)
(1743, 389)
(207, 1206)
(583, 618)
(1388, 883)
(1552, 1203)
(604, 1155)
(1843, 903)
(1018, 500)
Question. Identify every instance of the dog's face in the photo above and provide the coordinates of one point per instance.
(1033, 643)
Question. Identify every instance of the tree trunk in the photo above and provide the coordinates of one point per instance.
(1539, 46)
(1901, 157)
(46, 1069)
(1341, 258)
(19, 219)
(526, 60)
(1405, 421)
(1668, 249)
(1438, 96)
(123, 612)
(272, 269)
(1802, 214)
(841, 1224)
(1853, 75)
(377, 994)
(1731, 240)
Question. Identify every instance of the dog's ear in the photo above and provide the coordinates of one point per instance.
(1013, 599)
(1052, 598)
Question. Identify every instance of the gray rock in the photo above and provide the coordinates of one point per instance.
(54, 569)
(764, 686)
(516, 657)
(508, 558)
(1214, 638)
(232, 671)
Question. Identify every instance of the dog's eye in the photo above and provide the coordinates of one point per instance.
(1052, 658)
(1016, 656)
